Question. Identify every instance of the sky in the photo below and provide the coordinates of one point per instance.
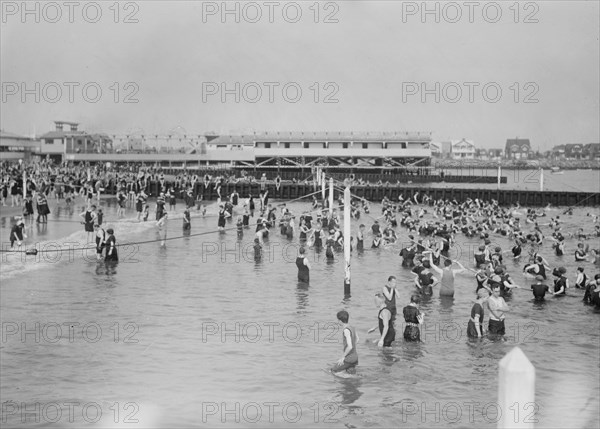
(484, 71)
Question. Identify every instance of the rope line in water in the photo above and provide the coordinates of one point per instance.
(147, 241)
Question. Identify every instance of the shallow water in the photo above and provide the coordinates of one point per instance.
(199, 334)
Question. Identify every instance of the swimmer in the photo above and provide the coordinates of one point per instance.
(539, 289)
(384, 320)
(413, 318)
(581, 253)
(446, 275)
(162, 227)
(223, 214)
(111, 247)
(257, 250)
(592, 290)
(187, 219)
(17, 234)
(475, 324)
(89, 219)
(349, 359)
(561, 283)
(240, 227)
(497, 307)
(303, 266)
(100, 240)
(389, 294)
(581, 281)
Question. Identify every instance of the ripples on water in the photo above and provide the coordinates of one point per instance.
(168, 361)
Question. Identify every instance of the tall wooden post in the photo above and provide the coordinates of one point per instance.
(347, 236)
(499, 174)
(330, 196)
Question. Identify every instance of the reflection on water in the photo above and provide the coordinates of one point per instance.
(302, 295)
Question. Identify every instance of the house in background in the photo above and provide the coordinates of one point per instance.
(592, 151)
(481, 154)
(495, 153)
(517, 148)
(60, 142)
(463, 149)
(573, 151)
(558, 152)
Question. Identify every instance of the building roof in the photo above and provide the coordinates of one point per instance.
(9, 135)
(469, 142)
(60, 134)
(519, 142)
(319, 136)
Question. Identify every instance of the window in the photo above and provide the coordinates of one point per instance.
(365, 145)
(344, 145)
(267, 145)
(286, 145)
(49, 141)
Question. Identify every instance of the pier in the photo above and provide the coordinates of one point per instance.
(376, 193)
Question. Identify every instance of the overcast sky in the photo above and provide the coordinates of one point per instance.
(374, 61)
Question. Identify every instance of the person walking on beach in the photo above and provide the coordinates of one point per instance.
(475, 324)
(111, 247)
(349, 359)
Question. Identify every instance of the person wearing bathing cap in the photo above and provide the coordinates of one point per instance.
(561, 284)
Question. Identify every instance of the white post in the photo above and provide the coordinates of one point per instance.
(347, 236)
(541, 180)
(330, 196)
(499, 174)
(24, 186)
(516, 391)
(323, 186)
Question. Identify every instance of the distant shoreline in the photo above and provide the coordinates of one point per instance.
(516, 165)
